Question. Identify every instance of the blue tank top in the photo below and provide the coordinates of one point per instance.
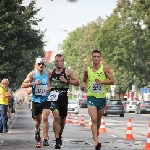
(39, 93)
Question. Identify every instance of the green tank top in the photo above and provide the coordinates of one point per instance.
(94, 89)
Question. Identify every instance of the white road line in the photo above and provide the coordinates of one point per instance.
(112, 135)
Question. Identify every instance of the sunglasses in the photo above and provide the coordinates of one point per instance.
(39, 64)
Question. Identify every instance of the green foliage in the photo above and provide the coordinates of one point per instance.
(125, 43)
(79, 46)
(20, 43)
(124, 40)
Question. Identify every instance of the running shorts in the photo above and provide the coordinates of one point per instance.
(99, 103)
(60, 105)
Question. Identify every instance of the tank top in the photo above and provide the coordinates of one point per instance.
(39, 93)
(95, 89)
(59, 89)
(56, 84)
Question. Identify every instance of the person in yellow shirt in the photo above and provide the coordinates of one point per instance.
(4, 96)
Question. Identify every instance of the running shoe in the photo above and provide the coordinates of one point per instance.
(97, 145)
(45, 142)
(57, 146)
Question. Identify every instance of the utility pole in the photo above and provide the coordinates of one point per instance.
(134, 84)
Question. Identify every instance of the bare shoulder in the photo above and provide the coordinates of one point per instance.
(31, 74)
(86, 71)
(68, 71)
(106, 68)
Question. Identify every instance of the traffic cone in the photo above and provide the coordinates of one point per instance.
(82, 121)
(70, 119)
(76, 120)
(90, 124)
(148, 140)
(102, 127)
(67, 119)
(129, 135)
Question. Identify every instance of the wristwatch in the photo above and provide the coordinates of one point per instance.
(68, 81)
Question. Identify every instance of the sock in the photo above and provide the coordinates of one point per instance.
(57, 140)
(60, 135)
(44, 139)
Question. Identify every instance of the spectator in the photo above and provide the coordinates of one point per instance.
(4, 96)
(10, 106)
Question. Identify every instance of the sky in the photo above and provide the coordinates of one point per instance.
(61, 17)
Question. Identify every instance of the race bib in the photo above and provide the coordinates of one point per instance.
(41, 90)
(53, 96)
(97, 87)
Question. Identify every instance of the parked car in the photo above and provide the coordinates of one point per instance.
(130, 106)
(143, 107)
(114, 107)
(83, 104)
(73, 107)
(80, 100)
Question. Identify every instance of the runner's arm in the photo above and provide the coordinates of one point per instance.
(84, 81)
(109, 76)
(28, 81)
(74, 80)
(49, 78)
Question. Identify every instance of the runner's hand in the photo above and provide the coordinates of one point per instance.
(62, 79)
(99, 81)
(83, 86)
(37, 82)
(48, 89)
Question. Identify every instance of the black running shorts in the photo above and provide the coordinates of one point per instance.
(37, 108)
(61, 105)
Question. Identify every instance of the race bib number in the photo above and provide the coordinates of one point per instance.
(97, 87)
(53, 96)
(41, 90)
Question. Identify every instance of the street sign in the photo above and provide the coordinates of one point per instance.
(144, 90)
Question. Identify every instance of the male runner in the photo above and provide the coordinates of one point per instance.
(60, 78)
(38, 80)
(96, 78)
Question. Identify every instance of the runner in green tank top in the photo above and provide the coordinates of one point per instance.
(96, 78)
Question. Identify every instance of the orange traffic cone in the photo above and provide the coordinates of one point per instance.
(102, 127)
(148, 140)
(129, 135)
(90, 124)
(67, 119)
(82, 121)
(70, 119)
(76, 120)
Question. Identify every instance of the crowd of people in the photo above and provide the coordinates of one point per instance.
(49, 93)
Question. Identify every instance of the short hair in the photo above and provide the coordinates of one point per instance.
(96, 51)
(5, 81)
(59, 55)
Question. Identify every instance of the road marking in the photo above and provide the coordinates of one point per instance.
(112, 135)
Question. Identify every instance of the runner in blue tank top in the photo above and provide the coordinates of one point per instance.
(38, 80)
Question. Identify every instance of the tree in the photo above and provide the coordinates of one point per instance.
(124, 42)
(20, 43)
(77, 48)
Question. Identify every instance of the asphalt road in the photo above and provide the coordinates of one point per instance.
(78, 137)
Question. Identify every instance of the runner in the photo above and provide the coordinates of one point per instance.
(38, 80)
(96, 78)
(60, 78)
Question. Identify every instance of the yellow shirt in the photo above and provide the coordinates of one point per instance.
(3, 101)
(94, 89)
